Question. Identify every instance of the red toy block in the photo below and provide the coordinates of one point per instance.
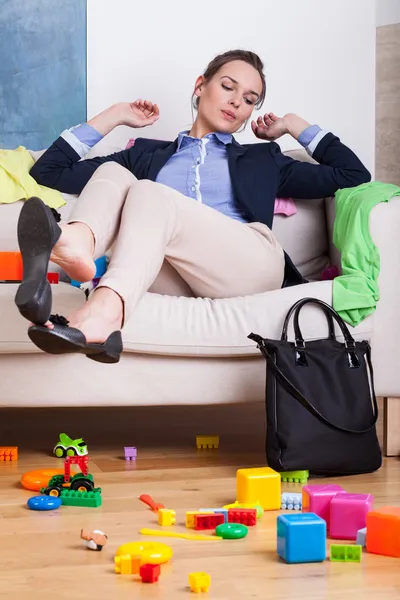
(245, 516)
(52, 277)
(149, 573)
(10, 266)
(208, 520)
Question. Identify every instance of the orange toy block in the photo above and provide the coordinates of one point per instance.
(383, 531)
(8, 453)
(10, 266)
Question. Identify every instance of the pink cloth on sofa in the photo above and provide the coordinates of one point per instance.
(283, 206)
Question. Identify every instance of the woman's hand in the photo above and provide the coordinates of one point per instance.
(140, 113)
(269, 127)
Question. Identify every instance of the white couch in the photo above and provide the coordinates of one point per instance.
(182, 350)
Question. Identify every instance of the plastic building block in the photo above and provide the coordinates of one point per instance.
(52, 277)
(361, 537)
(154, 553)
(216, 511)
(8, 453)
(207, 441)
(155, 506)
(294, 476)
(11, 268)
(258, 507)
(126, 564)
(231, 531)
(301, 538)
(342, 553)
(291, 501)
(317, 499)
(383, 531)
(190, 515)
(150, 573)
(207, 521)
(67, 446)
(43, 503)
(94, 540)
(245, 516)
(348, 514)
(74, 498)
(130, 452)
(166, 516)
(260, 485)
(199, 582)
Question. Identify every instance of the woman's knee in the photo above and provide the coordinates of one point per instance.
(114, 171)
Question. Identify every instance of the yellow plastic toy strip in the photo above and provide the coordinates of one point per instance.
(185, 536)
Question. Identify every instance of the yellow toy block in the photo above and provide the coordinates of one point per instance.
(207, 441)
(199, 582)
(190, 518)
(127, 564)
(259, 485)
(166, 516)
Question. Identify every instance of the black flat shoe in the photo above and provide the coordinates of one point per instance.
(38, 232)
(68, 340)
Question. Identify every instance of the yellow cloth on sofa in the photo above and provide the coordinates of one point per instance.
(16, 183)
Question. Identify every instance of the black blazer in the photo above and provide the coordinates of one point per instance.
(259, 173)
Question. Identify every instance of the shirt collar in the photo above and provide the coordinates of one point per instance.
(225, 138)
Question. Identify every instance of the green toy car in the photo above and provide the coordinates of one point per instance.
(79, 482)
(69, 447)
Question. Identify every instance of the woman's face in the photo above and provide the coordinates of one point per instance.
(227, 100)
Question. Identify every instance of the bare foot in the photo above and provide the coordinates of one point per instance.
(100, 316)
(74, 252)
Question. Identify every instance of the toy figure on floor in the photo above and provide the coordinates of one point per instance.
(201, 205)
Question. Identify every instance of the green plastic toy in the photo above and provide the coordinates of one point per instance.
(345, 553)
(88, 499)
(231, 531)
(69, 447)
(294, 476)
(79, 482)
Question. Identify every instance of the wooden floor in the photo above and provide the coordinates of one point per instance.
(41, 553)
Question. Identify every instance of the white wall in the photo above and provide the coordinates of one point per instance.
(387, 12)
(319, 59)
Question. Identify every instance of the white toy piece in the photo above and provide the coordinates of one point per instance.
(94, 540)
(291, 501)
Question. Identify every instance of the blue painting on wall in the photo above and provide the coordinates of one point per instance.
(42, 70)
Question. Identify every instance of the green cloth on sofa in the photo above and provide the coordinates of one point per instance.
(356, 292)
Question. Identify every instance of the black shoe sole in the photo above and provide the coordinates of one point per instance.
(69, 340)
(38, 232)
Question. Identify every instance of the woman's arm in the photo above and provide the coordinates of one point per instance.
(339, 167)
(60, 166)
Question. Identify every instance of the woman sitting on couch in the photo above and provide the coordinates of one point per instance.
(204, 203)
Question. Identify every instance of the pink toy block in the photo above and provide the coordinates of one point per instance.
(317, 499)
(130, 452)
(348, 514)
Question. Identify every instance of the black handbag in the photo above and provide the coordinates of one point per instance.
(320, 401)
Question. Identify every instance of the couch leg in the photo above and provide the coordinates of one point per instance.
(391, 427)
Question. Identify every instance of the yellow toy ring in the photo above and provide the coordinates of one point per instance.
(154, 553)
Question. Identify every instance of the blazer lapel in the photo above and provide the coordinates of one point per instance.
(235, 151)
(159, 158)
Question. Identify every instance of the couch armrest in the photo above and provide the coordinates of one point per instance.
(384, 227)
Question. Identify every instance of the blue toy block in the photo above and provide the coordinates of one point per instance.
(301, 538)
(361, 537)
(291, 501)
(216, 511)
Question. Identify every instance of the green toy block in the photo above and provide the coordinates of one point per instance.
(74, 498)
(294, 476)
(346, 553)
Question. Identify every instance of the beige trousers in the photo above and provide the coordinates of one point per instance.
(170, 244)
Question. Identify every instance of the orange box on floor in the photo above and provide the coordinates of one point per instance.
(10, 266)
(383, 531)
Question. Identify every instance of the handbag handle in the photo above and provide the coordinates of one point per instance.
(293, 391)
(287, 320)
(349, 340)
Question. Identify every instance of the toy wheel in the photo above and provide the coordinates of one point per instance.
(53, 491)
(82, 485)
(71, 451)
(59, 451)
